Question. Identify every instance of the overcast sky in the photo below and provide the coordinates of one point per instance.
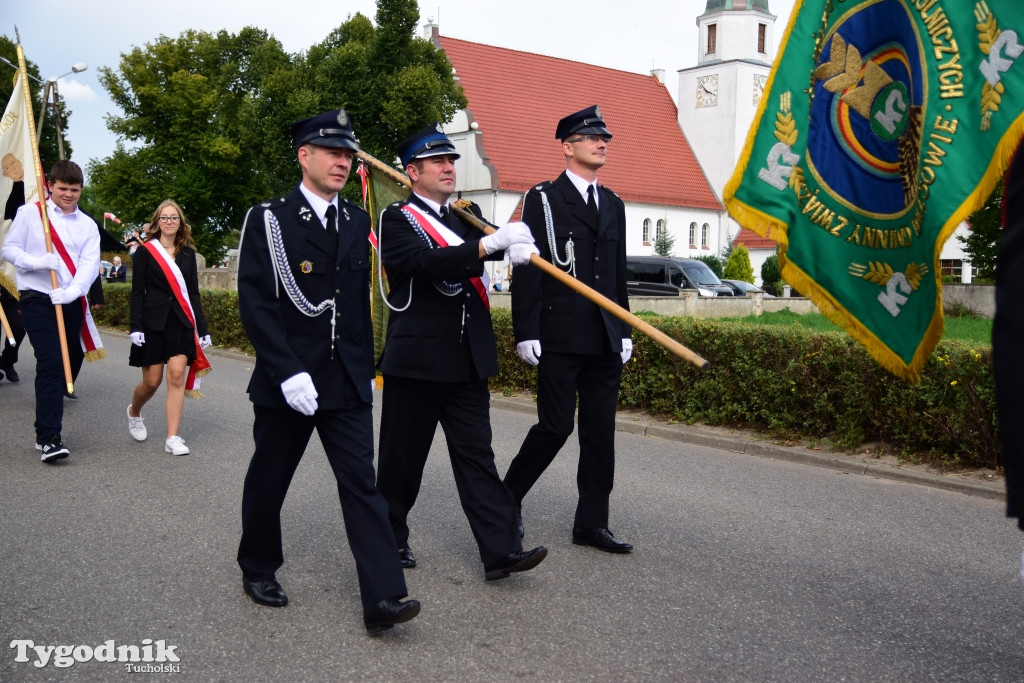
(631, 35)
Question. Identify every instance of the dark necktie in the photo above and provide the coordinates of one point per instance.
(591, 202)
(445, 216)
(332, 221)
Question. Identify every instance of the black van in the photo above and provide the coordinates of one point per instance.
(665, 276)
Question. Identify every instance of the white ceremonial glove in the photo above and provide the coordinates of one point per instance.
(529, 351)
(300, 393)
(138, 338)
(627, 350)
(507, 235)
(62, 296)
(519, 253)
(47, 261)
(205, 342)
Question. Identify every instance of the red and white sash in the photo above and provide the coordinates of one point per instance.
(90, 337)
(176, 281)
(442, 234)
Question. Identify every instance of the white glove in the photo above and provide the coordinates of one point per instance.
(627, 350)
(300, 393)
(507, 235)
(138, 338)
(62, 296)
(47, 261)
(205, 342)
(519, 253)
(529, 351)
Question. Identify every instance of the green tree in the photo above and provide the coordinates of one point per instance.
(206, 117)
(664, 242)
(981, 245)
(738, 266)
(48, 140)
(180, 100)
(771, 276)
(713, 262)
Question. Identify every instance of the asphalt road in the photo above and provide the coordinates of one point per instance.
(746, 568)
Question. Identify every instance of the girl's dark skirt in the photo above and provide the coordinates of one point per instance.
(174, 340)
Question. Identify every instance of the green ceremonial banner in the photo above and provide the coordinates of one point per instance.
(884, 125)
(379, 192)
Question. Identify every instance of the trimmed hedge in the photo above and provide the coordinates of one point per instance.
(789, 382)
(796, 384)
(219, 306)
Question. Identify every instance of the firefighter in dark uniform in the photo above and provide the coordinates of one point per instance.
(1007, 332)
(578, 347)
(439, 353)
(303, 295)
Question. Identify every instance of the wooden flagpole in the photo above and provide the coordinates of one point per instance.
(563, 277)
(7, 328)
(41, 183)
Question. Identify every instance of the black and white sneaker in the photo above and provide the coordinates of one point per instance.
(53, 451)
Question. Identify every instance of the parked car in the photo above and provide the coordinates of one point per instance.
(742, 288)
(666, 275)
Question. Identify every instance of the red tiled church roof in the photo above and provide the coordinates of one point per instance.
(751, 240)
(517, 99)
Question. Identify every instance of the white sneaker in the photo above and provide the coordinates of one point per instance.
(176, 445)
(135, 426)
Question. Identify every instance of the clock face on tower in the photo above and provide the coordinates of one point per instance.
(758, 87)
(707, 90)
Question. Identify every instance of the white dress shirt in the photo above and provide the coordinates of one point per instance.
(79, 235)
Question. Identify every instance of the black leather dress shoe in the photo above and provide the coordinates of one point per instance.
(521, 561)
(407, 558)
(265, 591)
(601, 539)
(12, 375)
(387, 613)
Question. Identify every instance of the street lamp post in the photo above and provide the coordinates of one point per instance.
(51, 84)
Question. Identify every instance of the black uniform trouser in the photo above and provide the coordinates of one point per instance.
(1007, 335)
(40, 319)
(281, 436)
(560, 378)
(411, 412)
(12, 310)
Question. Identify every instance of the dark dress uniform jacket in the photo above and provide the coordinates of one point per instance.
(1007, 333)
(152, 299)
(288, 342)
(545, 309)
(426, 341)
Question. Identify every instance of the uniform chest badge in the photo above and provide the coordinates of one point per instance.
(306, 267)
(305, 214)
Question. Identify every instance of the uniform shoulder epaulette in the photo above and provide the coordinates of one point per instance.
(545, 185)
(353, 205)
(605, 187)
(273, 202)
